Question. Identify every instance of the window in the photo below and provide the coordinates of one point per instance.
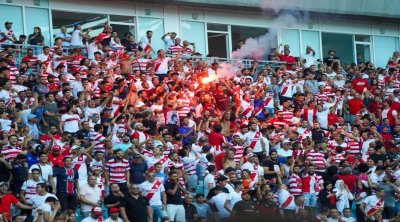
(156, 25)
(86, 20)
(12, 14)
(311, 38)
(341, 43)
(384, 48)
(41, 19)
(217, 27)
(291, 37)
(194, 32)
(122, 18)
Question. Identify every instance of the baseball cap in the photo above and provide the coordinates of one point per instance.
(137, 156)
(31, 116)
(113, 210)
(140, 104)
(97, 211)
(6, 23)
(56, 148)
(75, 147)
(250, 155)
(121, 130)
(3, 183)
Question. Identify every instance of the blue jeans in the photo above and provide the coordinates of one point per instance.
(310, 199)
(158, 213)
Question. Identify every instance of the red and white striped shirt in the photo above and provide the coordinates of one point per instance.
(97, 139)
(354, 145)
(117, 170)
(238, 153)
(294, 185)
(30, 188)
(10, 153)
(189, 164)
(174, 49)
(12, 76)
(317, 159)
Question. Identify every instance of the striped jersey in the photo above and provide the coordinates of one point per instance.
(294, 185)
(30, 188)
(117, 170)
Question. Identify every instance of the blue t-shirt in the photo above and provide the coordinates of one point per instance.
(184, 130)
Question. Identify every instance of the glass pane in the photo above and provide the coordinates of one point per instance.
(217, 45)
(363, 53)
(41, 20)
(341, 43)
(12, 14)
(311, 38)
(217, 27)
(156, 25)
(363, 38)
(86, 20)
(123, 29)
(241, 33)
(384, 48)
(194, 32)
(121, 18)
(292, 38)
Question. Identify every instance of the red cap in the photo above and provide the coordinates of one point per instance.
(56, 148)
(97, 211)
(114, 210)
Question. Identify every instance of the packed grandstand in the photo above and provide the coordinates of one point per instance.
(108, 128)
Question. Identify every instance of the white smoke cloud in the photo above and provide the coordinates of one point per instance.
(257, 48)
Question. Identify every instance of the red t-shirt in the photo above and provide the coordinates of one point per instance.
(360, 84)
(349, 180)
(288, 59)
(215, 139)
(5, 205)
(218, 161)
(354, 106)
(56, 159)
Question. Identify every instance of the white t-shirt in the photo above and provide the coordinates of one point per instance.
(372, 202)
(154, 190)
(37, 200)
(9, 33)
(43, 57)
(71, 122)
(310, 59)
(89, 219)
(76, 38)
(284, 153)
(45, 208)
(90, 111)
(219, 201)
(110, 220)
(91, 194)
(82, 171)
(234, 197)
(163, 67)
(5, 124)
(45, 171)
(209, 179)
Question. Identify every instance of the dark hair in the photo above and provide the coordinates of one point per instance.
(51, 199)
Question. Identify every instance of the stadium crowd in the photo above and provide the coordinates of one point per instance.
(95, 129)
